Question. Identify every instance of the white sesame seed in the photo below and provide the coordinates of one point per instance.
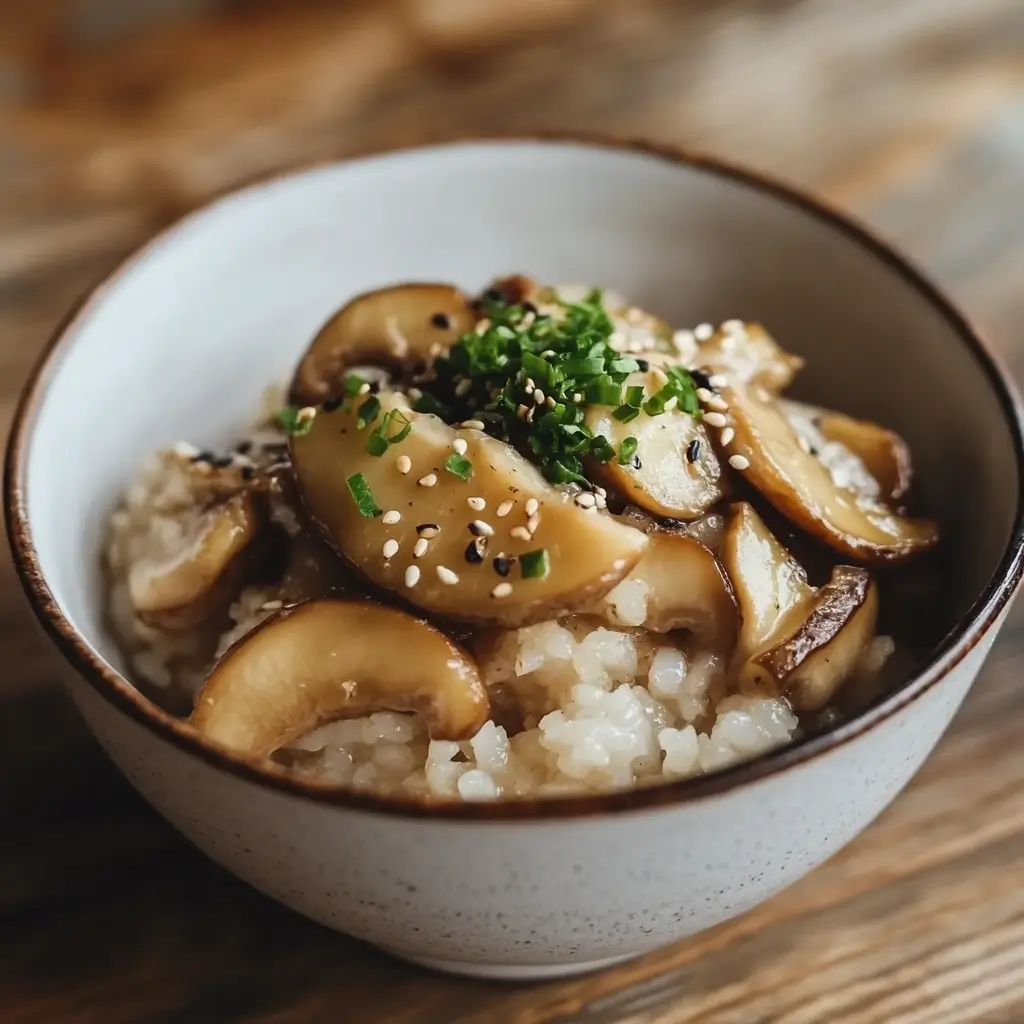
(403, 463)
(390, 548)
(445, 575)
(463, 387)
(504, 508)
(480, 528)
(601, 492)
(719, 403)
(586, 500)
(704, 394)
(429, 480)
(521, 533)
(477, 504)
(577, 396)
(727, 435)
(521, 411)
(412, 575)
(428, 530)
(683, 340)
(601, 503)
(530, 383)
(550, 402)
(538, 397)
(184, 450)
(271, 606)
(530, 388)
(739, 462)
(532, 523)
(715, 419)
(364, 388)
(634, 315)
(474, 424)
(459, 446)
(634, 347)
(547, 353)
(392, 517)
(718, 380)
(733, 326)
(531, 506)
(502, 590)
(702, 332)
(729, 342)
(420, 547)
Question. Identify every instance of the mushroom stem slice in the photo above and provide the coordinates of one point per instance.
(685, 588)
(810, 664)
(330, 659)
(454, 557)
(751, 355)
(403, 327)
(196, 564)
(803, 490)
(675, 472)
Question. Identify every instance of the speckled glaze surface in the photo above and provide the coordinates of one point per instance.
(524, 889)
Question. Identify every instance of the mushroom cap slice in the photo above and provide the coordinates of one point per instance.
(453, 573)
(687, 589)
(391, 327)
(661, 479)
(195, 563)
(803, 490)
(810, 664)
(334, 658)
(768, 582)
(751, 355)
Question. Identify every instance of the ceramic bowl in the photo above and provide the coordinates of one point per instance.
(182, 338)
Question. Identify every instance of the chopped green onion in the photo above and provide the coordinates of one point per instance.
(626, 413)
(363, 496)
(604, 394)
(601, 448)
(623, 366)
(377, 443)
(582, 367)
(353, 383)
(368, 412)
(459, 465)
(397, 416)
(635, 395)
(627, 450)
(294, 425)
(535, 564)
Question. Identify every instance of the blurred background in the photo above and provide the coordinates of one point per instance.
(118, 115)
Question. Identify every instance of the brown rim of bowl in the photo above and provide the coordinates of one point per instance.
(118, 693)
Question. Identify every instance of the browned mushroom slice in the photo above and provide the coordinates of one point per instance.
(751, 354)
(194, 563)
(810, 664)
(794, 641)
(683, 587)
(803, 490)
(675, 472)
(502, 546)
(885, 454)
(332, 659)
(402, 328)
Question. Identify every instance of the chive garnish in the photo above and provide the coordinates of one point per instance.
(363, 496)
(459, 465)
(368, 412)
(626, 413)
(535, 564)
(627, 450)
(290, 420)
(353, 382)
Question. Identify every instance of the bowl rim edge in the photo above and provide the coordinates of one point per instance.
(109, 687)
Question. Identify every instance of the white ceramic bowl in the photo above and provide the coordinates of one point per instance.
(180, 341)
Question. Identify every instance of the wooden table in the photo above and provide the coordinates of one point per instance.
(117, 116)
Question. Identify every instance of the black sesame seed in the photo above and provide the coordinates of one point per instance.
(502, 566)
(475, 551)
(441, 321)
(693, 450)
(374, 387)
(637, 464)
(814, 451)
(495, 295)
(243, 447)
(223, 462)
(248, 472)
(333, 403)
(204, 456)
(701, 379)
(643, 364)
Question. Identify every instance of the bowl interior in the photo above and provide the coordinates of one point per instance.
(180, 343)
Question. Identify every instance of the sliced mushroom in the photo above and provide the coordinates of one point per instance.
(446, 553)
(194, 563)
(802, 489)
(331, 659)
(794, 641)
(403, 327)
(752, 355)
(675, 472)
(885, 454)
(684, 588)
(810, 664)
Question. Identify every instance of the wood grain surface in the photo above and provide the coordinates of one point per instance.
(116, 116)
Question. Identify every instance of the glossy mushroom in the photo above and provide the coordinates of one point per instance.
(459, 548)
(750, 354)
(400, 328)
(330, 659)
(767, 451)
